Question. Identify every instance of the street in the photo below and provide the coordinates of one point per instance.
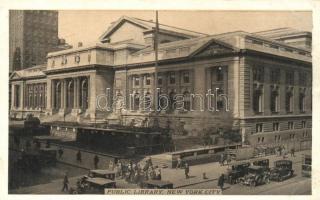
(301, 185)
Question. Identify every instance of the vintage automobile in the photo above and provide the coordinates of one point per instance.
(87, 185)
(262, 162)
(157, 184)
(257, 175)
(282, 170)
(306, 165)
(102, 173)
(238, 170)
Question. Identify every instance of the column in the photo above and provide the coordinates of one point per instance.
(92, 95)
(64, 95)
(12, 96)
(76, 93)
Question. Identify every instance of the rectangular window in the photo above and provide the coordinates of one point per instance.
(276, 126)
(148, 80)
(186, 77)
(219, 74)
(302, 102)
(136, 81)
(303, 79)
(290, 125)
(289, 77)
(274, 103)
(303, 124)
(289, 102)
(258, 74)
(275, 76)
(172, 78)
(257, 101)
(259, 128)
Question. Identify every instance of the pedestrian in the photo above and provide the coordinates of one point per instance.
(119, 169)
(111, 166)
(221, 181)
(79, 159)
(178, 163)
(158, 174)
(228, 159)
(65, 183)
(222, 159)
(292, 152)
(60, 152)
(186, 170)
(96, 161)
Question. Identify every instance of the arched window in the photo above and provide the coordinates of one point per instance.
(57, 101)
(70, 95)
(84, 94)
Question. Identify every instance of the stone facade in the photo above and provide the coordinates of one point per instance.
(261, 87)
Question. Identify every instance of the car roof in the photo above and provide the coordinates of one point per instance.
(100, 181)
(239, 163)
(277, 161)
(255, 167)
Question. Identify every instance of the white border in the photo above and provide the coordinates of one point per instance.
(304, 5)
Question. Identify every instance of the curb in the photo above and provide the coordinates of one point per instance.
(190, 184)
(73, 165)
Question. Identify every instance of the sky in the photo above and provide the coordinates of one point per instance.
(87, 25)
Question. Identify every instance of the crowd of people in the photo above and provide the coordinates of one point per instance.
(134, 172)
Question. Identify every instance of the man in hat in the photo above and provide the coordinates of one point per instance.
(186, 170)
(221, 181)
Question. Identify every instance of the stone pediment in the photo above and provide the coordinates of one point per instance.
(213, 48)
(14, 76)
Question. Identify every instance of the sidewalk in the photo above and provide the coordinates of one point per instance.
(212, 170)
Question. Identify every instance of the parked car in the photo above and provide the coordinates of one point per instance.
(238, 170)
(102, 173)
(257, 175)
(263, 162)
(157, 184)
(306, 165)
(282, 170)
(87, 185)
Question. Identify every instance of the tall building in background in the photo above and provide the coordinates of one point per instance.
(33, 33)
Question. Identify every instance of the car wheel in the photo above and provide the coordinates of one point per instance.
(280, 178)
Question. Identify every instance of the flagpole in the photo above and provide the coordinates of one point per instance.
(156, 39)
(155, 46)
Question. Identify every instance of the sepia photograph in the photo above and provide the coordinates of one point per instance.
(160, 102)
